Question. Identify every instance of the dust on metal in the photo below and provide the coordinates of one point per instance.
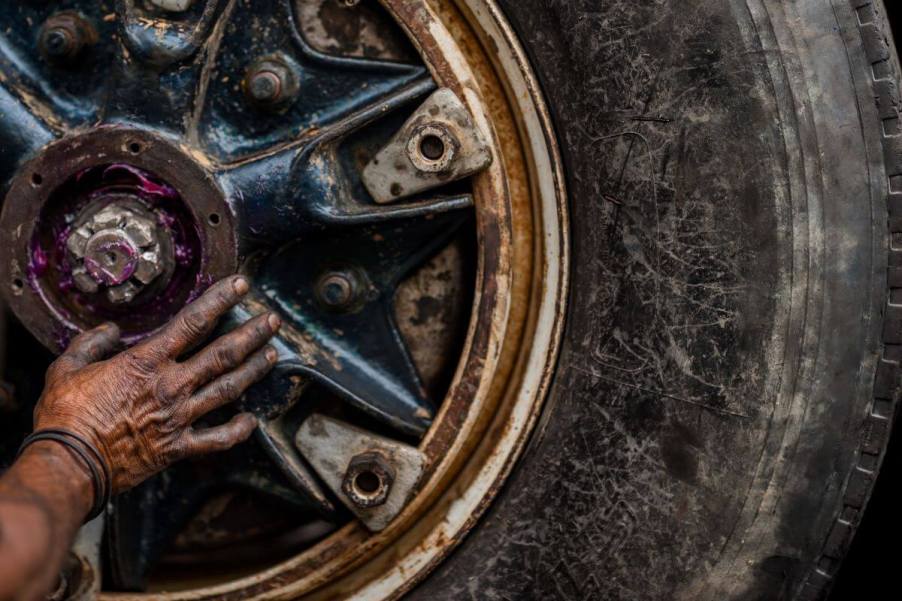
(372, 475)
(438, 144)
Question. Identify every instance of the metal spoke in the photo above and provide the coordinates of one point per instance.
(144, 522)
(343, 335)
(21, 135)
(53, 77)
(276, 87)
(143, 85)
(304, 187)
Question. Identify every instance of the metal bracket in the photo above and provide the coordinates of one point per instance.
(372, 475)
(438, 144)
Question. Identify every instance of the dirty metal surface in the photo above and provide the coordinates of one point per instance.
(333, 446)
(365, 31)
(439, 143)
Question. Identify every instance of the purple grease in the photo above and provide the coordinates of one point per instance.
(146, 184)
(49, 270)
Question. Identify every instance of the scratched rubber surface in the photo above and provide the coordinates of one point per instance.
(725, 391)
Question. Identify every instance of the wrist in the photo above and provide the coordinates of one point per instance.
(64, 469)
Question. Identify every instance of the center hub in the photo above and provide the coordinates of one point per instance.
(118, 246)
(117, 225)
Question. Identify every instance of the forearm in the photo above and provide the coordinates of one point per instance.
(44, 497)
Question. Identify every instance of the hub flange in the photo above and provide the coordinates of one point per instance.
(113, 225)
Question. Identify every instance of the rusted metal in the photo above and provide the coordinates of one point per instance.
(338, 290)
(438, 144)
(271, 82)
(373, 476)
(484, 396)
(39, 296)
(361, 29)
(483, 379)
(64, 36)
(368, 480)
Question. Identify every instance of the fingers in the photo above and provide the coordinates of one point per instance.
(230, 387)
(88, 347)
(220, 438)
(195, 322)
(230, 350)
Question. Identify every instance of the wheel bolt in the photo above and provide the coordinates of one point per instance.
(368, 480)
(64, 36)
(337, 290)
(265, 87)
(271, 82)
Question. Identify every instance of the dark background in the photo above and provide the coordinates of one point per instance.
(869, 571)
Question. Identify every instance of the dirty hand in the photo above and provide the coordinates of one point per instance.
(138, 407)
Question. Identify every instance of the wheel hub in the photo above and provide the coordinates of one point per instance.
(113, 225)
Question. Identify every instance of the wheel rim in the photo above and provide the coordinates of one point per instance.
(471, 441)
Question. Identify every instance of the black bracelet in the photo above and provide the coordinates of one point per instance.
(100, 476)
(107, 476)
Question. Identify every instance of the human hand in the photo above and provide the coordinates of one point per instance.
(138, 407)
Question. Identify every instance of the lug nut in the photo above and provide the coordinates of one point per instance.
(64, 36)
(264, 87)
(118, 249)
(368, 479)
(338, 290)
(432, 148)
(271, 82)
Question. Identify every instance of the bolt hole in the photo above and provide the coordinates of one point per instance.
(18, 284)
(367, 482)
(214, 219)
(37, 179)
(134, 148)
(432, 147)
(396, 189)
(110, 258)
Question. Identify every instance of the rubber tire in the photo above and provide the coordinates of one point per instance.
(728, 377)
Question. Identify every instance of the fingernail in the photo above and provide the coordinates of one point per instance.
(274, 321)
(240, 285)
(271, 354)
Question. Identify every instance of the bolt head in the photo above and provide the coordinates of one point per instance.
(265, 87)
(64, 35)
(59, 42)
(118, 249)
(337, 290)
(111, 257)
(368, 479)
(271, 82)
